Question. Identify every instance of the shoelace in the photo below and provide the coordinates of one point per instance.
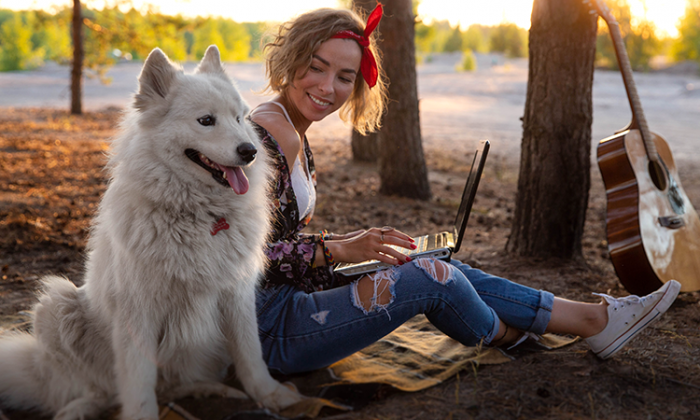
(625, 301)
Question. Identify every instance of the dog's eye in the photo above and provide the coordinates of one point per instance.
(238, 120)
(206, 120)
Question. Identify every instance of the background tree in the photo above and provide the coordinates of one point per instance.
(640, 39)
(364, 146)
(454, 41)
(402, 168)
(474, 38)
(15, 39)
(554, 178)
(76, 87)
(509, 39)
(687, 46)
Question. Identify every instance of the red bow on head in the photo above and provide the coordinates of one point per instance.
(368, 65)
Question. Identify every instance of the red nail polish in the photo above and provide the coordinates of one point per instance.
(414, 246)
(408, 259)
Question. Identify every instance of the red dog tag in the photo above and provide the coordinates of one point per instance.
(218, 226)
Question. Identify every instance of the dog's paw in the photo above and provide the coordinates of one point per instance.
(282, 396)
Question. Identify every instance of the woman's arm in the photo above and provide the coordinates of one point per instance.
(371, 244)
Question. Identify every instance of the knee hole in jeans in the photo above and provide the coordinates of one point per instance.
(375, 291)
(439, 271)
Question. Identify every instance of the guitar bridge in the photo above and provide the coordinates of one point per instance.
(672, 222)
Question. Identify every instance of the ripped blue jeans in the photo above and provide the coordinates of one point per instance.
(305, 331)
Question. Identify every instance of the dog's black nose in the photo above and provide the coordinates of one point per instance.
(247, 152)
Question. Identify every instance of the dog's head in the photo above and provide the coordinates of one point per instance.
(195, 123)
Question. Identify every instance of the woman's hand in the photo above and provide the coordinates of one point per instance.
(371, 244)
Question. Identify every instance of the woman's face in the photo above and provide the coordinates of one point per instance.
(329, 81)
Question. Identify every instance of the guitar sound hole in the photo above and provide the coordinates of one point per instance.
(657, 174)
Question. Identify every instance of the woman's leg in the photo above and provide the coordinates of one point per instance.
(302, 332)
(522, 308)
(607, 326)
(577, 318)
(565, 317)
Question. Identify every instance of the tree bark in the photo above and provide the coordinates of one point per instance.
(364, 147)
(76, 88)
(554, 179)
(402, 169)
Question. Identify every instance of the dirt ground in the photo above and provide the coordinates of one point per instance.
(52, 178)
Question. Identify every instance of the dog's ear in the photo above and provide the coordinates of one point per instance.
(211, 63)
(156, 78)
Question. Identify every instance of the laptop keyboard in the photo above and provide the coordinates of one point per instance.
(424, 243)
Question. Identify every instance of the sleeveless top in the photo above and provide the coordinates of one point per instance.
(302, 184)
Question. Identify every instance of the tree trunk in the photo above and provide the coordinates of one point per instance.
(402, 169)
(554, 180)
(76, 88)
(364, 147)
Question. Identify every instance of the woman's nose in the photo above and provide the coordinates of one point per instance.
(326, 84)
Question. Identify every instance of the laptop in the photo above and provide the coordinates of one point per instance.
(439, 245)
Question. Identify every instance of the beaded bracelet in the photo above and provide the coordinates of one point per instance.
(326, 252)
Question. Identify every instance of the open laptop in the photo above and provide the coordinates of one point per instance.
(438, 245)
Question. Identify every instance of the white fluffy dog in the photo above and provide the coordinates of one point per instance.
(174, 257)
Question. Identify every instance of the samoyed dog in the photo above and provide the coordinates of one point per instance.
(173, 260)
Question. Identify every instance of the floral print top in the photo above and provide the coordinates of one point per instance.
(290, 252)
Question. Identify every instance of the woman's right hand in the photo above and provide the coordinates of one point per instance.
(371, 244)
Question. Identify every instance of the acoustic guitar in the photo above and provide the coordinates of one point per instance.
(653, 230)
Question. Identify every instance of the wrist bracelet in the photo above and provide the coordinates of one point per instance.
(326, 252)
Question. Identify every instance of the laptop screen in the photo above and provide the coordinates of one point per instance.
(465, 206)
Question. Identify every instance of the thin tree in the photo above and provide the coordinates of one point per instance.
(554, 180)
(401, 162)
(76, 88)
(364, 146)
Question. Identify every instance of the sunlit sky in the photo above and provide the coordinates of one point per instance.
(664, 13)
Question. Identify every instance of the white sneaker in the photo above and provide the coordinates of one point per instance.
(628, 316)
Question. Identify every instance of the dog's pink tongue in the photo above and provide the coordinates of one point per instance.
(236, 179)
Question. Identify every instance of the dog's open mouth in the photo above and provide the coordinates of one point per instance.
(228, 176)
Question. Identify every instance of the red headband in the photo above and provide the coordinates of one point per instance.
(368, 65)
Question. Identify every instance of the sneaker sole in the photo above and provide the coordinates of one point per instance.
(673, 287)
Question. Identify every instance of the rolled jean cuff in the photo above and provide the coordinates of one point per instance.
(496, 325)
(544, 313)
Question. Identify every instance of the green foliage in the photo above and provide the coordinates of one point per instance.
(16, 52)
(687, 46)
(53, 35)
(509, 39)
(640, 40)
(475, 38)
(454, 42)
(468, 62)
(110, 35)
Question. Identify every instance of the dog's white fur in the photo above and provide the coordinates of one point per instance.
(166, 306)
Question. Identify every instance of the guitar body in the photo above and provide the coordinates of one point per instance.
(653, 234)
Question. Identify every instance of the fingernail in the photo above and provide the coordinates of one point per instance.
(408, 259)
(414, 246)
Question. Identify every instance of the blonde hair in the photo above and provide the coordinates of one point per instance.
(292, 50)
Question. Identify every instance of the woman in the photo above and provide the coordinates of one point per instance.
(325, 61)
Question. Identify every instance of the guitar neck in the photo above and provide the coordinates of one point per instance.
(638, 118)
